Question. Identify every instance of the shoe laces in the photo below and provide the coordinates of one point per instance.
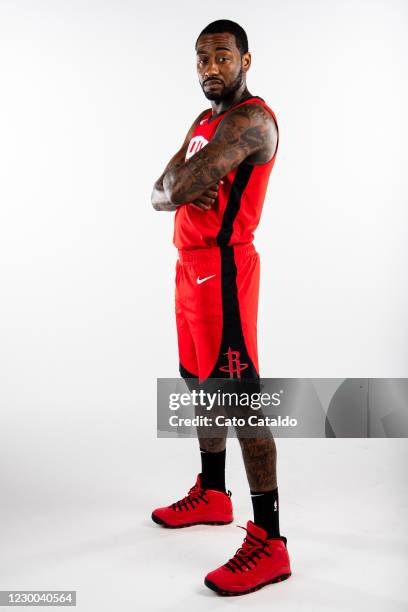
(249, 553)
(195, 497)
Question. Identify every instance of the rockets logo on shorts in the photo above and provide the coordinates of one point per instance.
(234, 363)
(196, 143)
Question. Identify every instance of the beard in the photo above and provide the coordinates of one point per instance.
(227, 91)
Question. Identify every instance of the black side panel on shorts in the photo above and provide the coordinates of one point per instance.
(233, 359)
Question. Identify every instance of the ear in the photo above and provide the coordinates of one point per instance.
(246, 61)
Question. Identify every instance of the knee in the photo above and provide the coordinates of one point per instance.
(213, 445)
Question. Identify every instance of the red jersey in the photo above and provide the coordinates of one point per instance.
(237, 209)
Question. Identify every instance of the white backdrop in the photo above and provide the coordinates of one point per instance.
(95, 98)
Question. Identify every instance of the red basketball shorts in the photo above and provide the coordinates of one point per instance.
(216, 297)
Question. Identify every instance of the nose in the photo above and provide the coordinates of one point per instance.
(212, 68)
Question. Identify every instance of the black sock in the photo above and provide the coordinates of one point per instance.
(213, 470)
(266, 511)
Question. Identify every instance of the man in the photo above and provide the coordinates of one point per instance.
(216, 183)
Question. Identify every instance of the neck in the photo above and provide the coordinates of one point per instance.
(220, 106)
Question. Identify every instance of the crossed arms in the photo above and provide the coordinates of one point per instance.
(247, 133)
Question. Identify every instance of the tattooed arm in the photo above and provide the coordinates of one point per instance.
(247, 133)
(159, 199)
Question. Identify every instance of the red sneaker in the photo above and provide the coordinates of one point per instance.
(199, 507)
(260, 561)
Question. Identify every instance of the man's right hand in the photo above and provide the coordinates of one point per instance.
(207, 199)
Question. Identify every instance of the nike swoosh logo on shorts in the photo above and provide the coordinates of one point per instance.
(201, 280)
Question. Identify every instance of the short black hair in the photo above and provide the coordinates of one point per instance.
(225, 25)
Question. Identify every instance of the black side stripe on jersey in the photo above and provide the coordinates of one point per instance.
(240, 181)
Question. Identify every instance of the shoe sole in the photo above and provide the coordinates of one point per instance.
(215, 588)
(159, 521)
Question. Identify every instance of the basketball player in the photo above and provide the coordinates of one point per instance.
(216, 184)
